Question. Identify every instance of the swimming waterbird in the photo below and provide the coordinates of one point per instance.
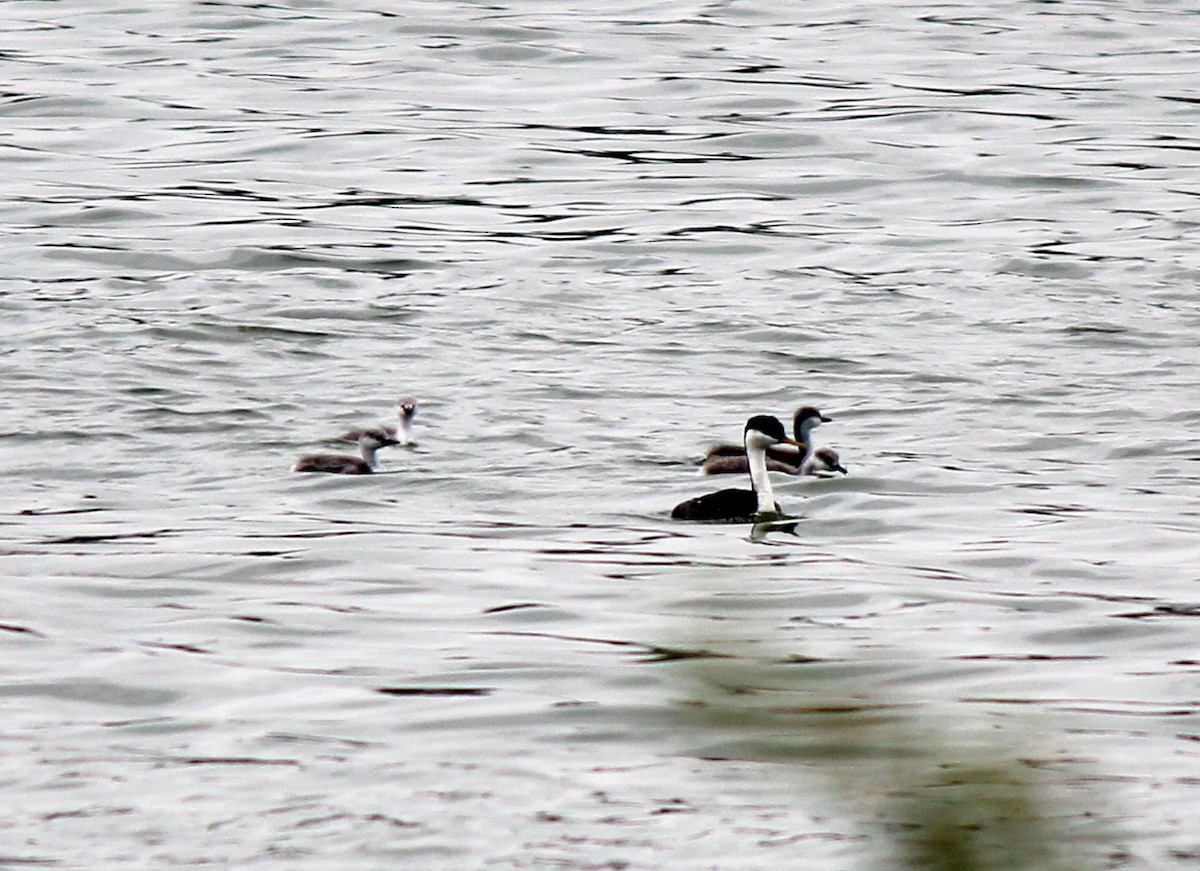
(406, 410)
(726, 459)
(733, 505)
(369, 443)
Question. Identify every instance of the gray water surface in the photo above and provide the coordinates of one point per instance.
(593, 239)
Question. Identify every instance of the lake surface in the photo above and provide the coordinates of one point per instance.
(593, 239)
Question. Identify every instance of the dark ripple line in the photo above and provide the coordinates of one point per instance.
(113, 536)
(49, 512)
(20, 630)
(1163, 611)
(1132, 708)
(650, 652)
(896, 111)
(23, 861)
(645, 158)
(436, 691)
(599, 130)
(229, 760)
(351, 199)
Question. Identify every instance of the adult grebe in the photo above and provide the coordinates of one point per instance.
(780, 458)
(406, 410)
(758, 504)
(369, 443)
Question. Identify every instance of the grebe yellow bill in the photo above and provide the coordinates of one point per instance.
(406, 410)
(744, 506)
(369, 444)
(780, 458)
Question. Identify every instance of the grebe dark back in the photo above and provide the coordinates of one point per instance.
(822, 462)
(406, 410)
(369, 444)
(718, 464)
(734, 505)
(780, 458)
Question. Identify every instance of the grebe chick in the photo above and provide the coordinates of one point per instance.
(744, 506)
(369, 443)
(406, 410)
(780, 458)
(822, 462)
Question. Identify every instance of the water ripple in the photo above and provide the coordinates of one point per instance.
(592, 242)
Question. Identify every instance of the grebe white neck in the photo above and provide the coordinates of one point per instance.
(756, 455)
(404, 430)
(406, 410)
(369, 448)
(804, 433)
(369, 444)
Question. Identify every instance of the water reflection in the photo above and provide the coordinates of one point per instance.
(761, 529)
(589, 237)
(944, 791)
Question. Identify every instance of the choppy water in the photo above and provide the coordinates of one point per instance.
(593, 239)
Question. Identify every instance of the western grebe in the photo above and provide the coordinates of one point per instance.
(369, 443)
(780, 458)
(822, 462)
(406, 410)
(733, 505)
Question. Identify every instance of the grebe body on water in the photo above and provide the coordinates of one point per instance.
(822, 462)
(406, 410)
(787, 458)
(369, 444)
(734, 505)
